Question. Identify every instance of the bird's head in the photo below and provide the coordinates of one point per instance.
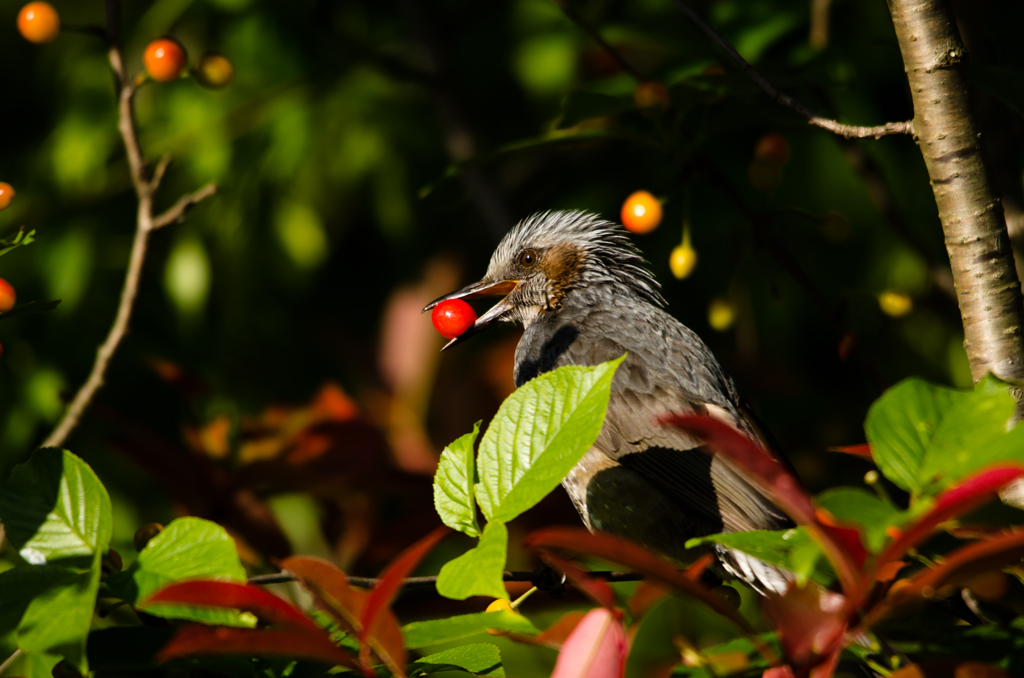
(550, 256)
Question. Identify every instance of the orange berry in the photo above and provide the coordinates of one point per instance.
(6, 195)
(682, 260)
(649, 94)
(641, 213)
(7, 296)
(772, 147)
(39, 22)
(214, 71)
(495, 606)
(164, 59)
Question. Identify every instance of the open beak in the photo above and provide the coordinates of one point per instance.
(479, 291)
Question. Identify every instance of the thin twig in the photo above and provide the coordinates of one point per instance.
(848, 131)
(145, 186)
(369, 582)
(10, 660)
(178, 209)
(578, 19)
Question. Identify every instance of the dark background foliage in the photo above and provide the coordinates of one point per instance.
(278, 375)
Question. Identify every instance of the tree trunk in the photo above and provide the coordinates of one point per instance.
(987, 287)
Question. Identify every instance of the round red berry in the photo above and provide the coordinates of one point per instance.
(7, 296)
(6, 195)
(39, 22)
(453, 317)
(164, 59)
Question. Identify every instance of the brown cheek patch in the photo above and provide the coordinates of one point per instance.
(561, 265)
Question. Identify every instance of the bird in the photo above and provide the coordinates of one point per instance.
(584, 295)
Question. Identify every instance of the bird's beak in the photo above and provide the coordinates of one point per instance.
(478, 291)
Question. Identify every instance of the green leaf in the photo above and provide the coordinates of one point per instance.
(424, 633)
(580, 106)
(792, 549)
(920, 433)
(860, 507)
(902, 422)
(478, 571)
(22, 238)
(19, 586)
(31, 308)
(55, 508)
(188, 548)
(453, 485)
(58, 618)
(538, 435)
(480, 659)
(973, 435)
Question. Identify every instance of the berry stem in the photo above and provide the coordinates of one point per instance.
(518, 601)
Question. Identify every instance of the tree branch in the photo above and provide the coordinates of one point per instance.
(145, 185)
(534, 578)
(578, 19)
(848, 131)
(177, 211)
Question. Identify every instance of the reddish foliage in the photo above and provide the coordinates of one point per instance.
(596, 589)
(848, 537)
(862, 450)
(970, 494)
(196, 640)
(264, 605)
(811, 623)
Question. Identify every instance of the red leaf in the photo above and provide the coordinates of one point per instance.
(862, 450)
(391, 578)
(554, 636)
(759, 467)
(848, 537)
(811, 622)
(330, 587)
(784, 671)
(972, 493)
(264, 605)
(644, 598)
(618, 550)
(595, 589)
(346, 604)
(197, 640)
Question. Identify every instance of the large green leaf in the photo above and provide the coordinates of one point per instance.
(188, 548)
(478, 571)
(58, 617)
(920, 432)
(538, 435)
(453, 485)
(424, 633)
(19, 586)
(55, 508)
(480, 659)
(853, 505)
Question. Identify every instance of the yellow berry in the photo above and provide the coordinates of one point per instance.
(214, 71)
(721, 314)
(682, 260)
(895, 304)
(496, 606)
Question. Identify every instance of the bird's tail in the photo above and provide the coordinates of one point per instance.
(761, 576)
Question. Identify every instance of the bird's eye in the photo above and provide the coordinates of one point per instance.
(527, 258)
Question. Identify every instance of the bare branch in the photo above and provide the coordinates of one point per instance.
(578, 19)
(177, 211)
(145, 185)
(848, 131)
(10, 660)
(369, 582)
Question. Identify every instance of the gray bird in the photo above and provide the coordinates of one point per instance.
(584, 295)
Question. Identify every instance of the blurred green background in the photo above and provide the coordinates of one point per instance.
(278, 376)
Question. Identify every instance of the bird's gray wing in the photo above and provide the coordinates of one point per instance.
(652, 383)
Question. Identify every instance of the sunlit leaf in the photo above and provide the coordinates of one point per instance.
(480, 659)
(54, 508)
(538, 435)
(478, 571)
(424, 633)
(188, 548)
(453, 485)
